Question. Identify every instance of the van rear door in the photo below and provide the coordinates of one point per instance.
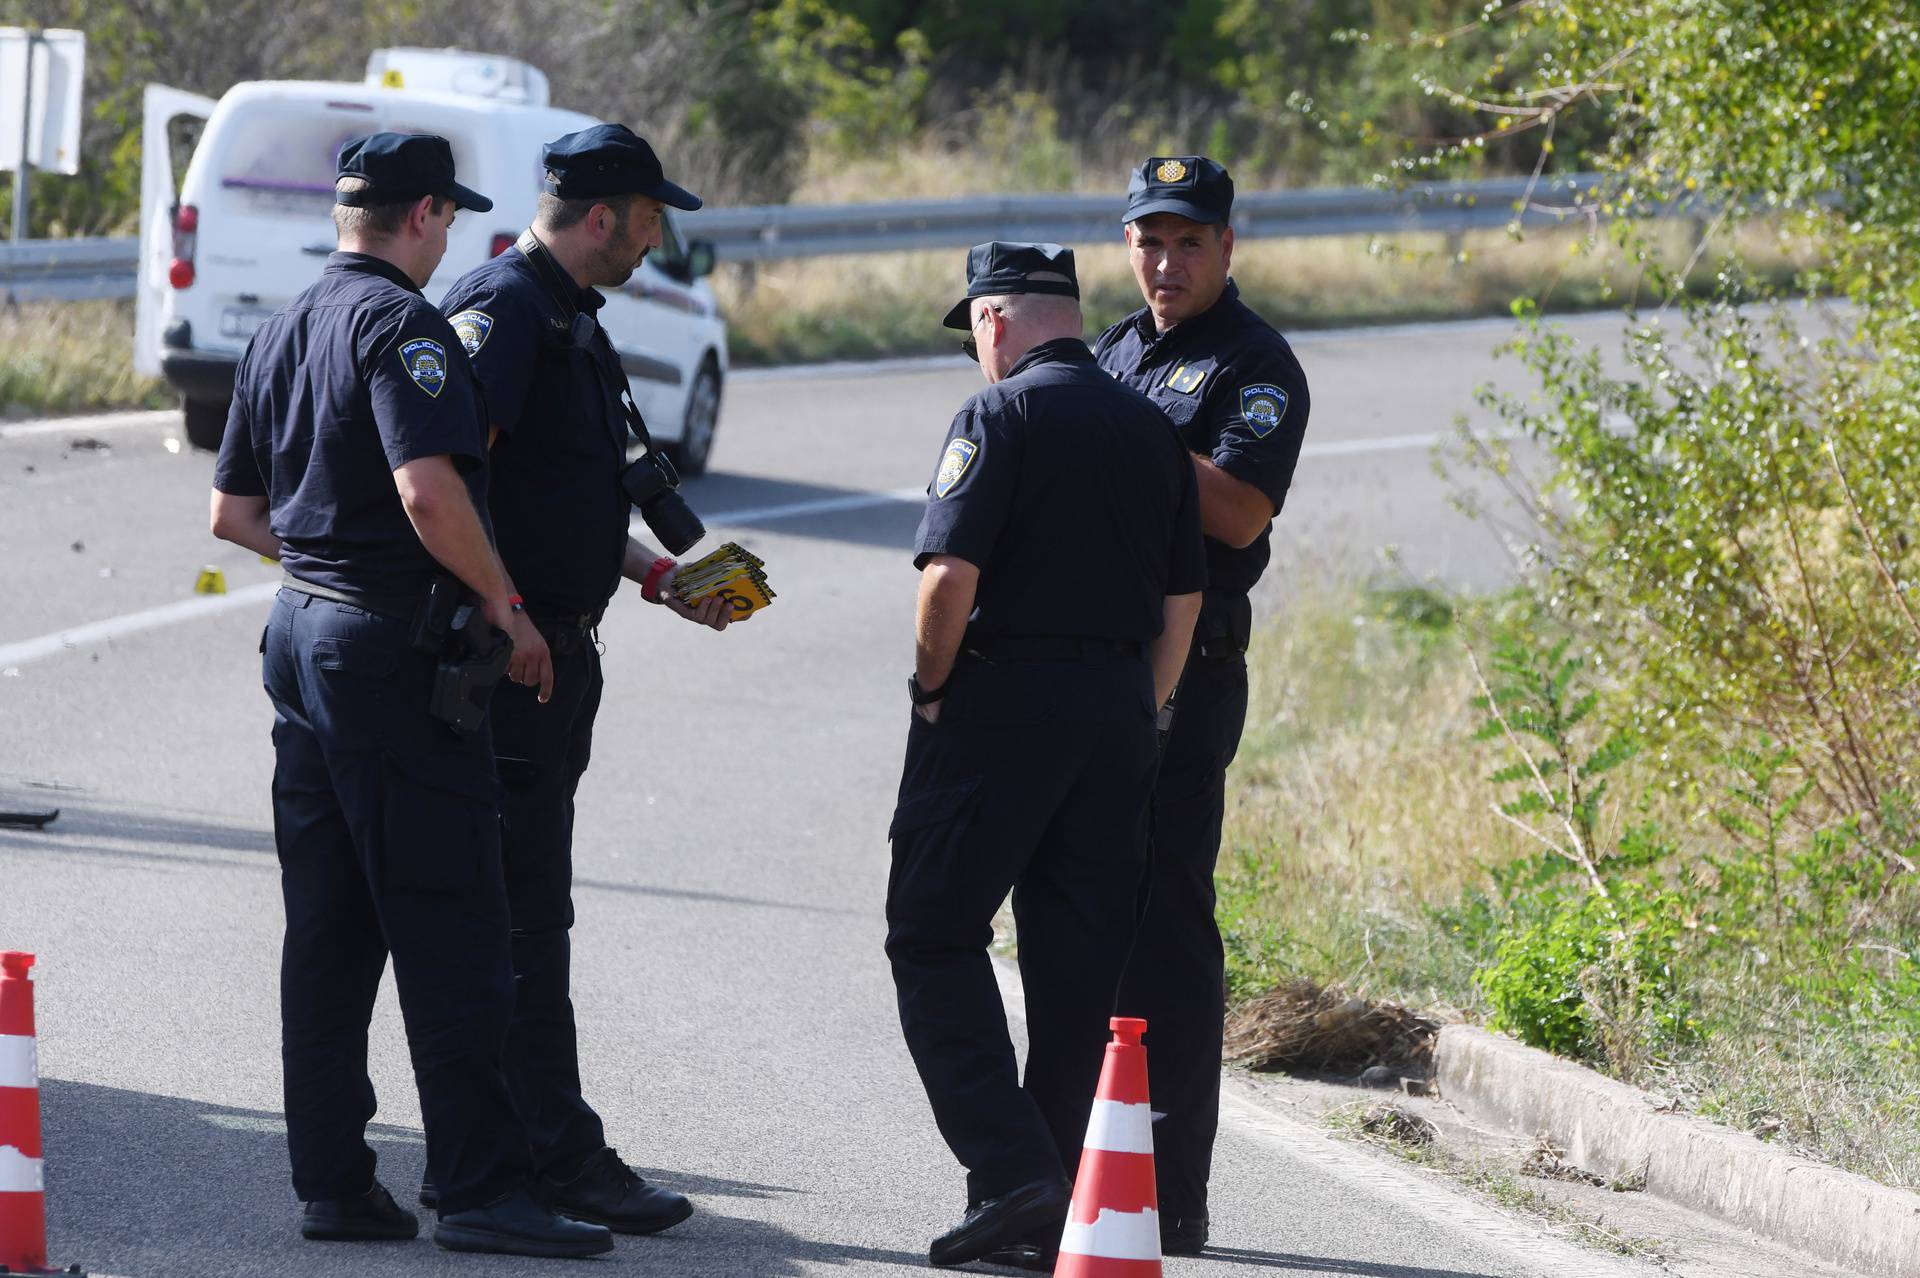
(262, 185)
(162, 109)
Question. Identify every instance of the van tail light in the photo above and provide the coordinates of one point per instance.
(186, 236)
(502, 241)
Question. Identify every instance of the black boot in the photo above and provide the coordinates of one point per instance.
(1183, 1235)
(516, 1225)
(608, 1192)
(1002, 1221)
(372, 1216)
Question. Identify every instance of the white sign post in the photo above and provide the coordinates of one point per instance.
(39, 120)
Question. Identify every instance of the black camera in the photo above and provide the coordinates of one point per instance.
(653, 485)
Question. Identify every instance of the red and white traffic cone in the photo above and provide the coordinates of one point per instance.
(23, 1199)
(1113, 1227)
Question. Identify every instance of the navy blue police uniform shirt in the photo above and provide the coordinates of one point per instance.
(1075, 499)
(560, 515)
(356, 377)
(1232, 386)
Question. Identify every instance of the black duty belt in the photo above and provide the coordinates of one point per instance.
(382, 605)
(1050, 648)
(565, 631)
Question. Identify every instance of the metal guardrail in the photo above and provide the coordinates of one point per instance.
(74, 269)
(68, 270)
(773, 232)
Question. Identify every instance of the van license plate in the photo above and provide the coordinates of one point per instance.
(241, 321)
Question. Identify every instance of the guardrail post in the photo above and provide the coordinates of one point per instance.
(21, 174)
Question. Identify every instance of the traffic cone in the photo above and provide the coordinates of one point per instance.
(23, 1200)
(1113, 1226)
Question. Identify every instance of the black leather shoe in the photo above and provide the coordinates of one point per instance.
(372, 1216)
(1031, 1257)
(608, 1192)
(429, 1192)
(1182, 1235)
(516, 1225)
(1000, 1222)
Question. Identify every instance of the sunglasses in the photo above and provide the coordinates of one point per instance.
(969, 343)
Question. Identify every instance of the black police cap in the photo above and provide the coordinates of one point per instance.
(1192, 186)
(400, 167)
(999, 268)
(610, 159)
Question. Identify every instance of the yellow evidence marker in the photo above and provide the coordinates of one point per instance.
(211, 581)
(734, 574)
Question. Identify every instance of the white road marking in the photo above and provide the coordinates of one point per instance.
(15, 655)
(89, 425)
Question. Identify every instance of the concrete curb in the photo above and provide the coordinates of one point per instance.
(1616, 1131)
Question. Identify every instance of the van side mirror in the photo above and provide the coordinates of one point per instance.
(700, 259)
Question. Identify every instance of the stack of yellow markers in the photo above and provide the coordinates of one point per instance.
(731, 573)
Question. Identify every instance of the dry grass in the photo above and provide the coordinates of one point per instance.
(1355, 811)
(71, 357)
(889, 304)
(1306, 1026)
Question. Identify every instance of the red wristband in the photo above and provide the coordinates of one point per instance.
(516, 604)
(650, 587)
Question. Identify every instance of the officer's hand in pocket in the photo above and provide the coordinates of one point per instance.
(532, 662)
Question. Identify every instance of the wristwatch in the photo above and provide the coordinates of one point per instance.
(923, 696)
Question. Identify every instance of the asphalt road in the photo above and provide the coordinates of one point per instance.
(738, 1027)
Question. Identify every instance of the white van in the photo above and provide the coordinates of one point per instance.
(251, 225)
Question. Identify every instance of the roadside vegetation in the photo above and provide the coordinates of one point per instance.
(71, 357)
(1656, 809)
(1368, 849)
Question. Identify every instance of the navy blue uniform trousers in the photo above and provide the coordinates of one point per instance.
(388, 839)
(541, 752)
(1176, 977)
(1035, 780)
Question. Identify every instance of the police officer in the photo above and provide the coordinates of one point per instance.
(356, 455)
(1233, 388)
(1060, 568)
(556, 409)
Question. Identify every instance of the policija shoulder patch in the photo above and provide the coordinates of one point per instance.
(426, 363)
(472, 327)
(953, 464)
(1263, 405)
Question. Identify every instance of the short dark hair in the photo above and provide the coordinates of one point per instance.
(377, 221)
(555, 213)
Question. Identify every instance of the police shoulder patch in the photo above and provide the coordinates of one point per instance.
(1186, 379)
(953, 465)
(426, 363)
(472, 327)
(1263, 405)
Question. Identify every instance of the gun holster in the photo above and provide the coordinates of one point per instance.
(471, 655)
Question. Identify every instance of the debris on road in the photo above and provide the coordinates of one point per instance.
(1301, 1025)
(28, 820)
(89, 444)
(1549, 1162)
(1388, 1122)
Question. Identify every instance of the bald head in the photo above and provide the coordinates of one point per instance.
(1008, 327)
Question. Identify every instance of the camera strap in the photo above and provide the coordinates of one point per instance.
(585, 332)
